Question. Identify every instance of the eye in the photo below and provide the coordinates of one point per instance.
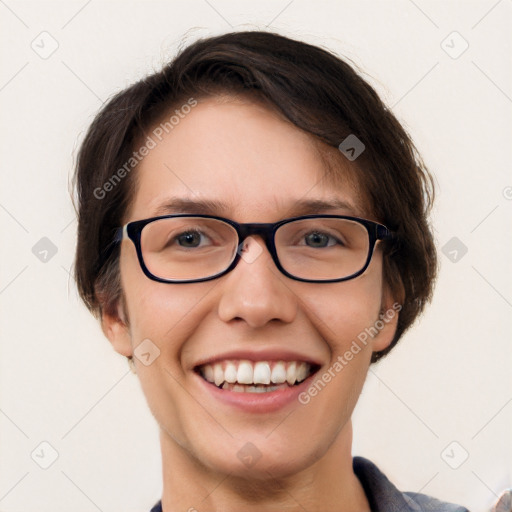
(189, 239)
(319, 239)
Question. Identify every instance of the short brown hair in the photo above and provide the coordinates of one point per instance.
(315, 90)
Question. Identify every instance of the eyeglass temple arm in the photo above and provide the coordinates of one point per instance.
(121, 233)
(383, 233)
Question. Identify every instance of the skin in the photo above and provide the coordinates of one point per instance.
(245, 155)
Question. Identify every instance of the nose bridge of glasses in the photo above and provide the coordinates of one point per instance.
(258, 229)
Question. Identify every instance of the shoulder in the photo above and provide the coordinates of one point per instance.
(383, 496)
(157, 507)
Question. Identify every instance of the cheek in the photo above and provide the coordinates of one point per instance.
(166, 314)
(151, 306)
(342, 311)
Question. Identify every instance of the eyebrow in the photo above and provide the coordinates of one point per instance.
(214, 207)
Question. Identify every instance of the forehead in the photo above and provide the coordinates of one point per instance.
(248, 162)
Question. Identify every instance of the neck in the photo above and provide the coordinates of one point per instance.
(328, 484)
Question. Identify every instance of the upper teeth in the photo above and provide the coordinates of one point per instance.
(261, 372)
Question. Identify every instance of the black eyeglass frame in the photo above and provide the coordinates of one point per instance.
(267, 231)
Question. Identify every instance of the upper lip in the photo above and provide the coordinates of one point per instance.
(258, 355)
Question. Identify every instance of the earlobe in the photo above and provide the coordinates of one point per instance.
(387, 323)
(115, 328)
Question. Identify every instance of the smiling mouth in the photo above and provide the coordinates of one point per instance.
(244, 376)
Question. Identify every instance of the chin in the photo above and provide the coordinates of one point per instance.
(259, 459)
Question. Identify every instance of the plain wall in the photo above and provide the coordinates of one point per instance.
(450, 378)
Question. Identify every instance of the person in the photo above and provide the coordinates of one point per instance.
(253, 234)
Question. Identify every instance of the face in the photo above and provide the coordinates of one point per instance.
(260, 167)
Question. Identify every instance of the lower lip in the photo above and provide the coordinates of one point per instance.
(256, 402)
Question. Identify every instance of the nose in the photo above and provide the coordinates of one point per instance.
(255, 291)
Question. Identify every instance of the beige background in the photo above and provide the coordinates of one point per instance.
(449, 380)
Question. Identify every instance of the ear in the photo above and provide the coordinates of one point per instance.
(387, 322)
(115, 327)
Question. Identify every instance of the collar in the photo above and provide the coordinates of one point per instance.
(383, 496)
(380, 492)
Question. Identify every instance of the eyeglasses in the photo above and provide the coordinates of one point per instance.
(312, 248)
